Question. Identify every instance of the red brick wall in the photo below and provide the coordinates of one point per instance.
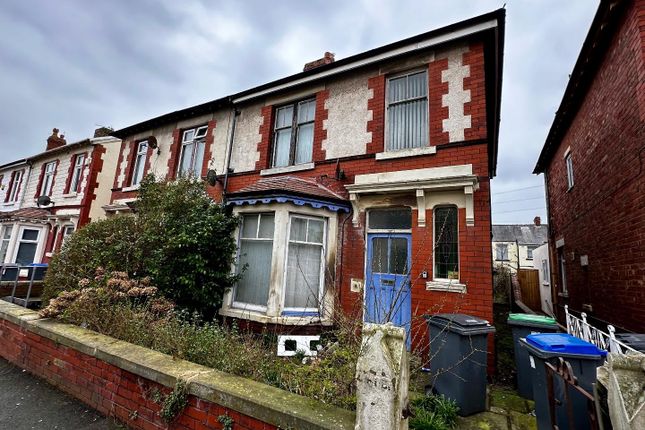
(264, 146)
(476, 107)
(110, 390)
(320, 133)
(603, 215)
(436, 90)
(96, 166)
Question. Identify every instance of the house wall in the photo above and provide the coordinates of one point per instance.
(349, 135)
(100, 180)
(516, 252)
(540, 261)
(603, 216)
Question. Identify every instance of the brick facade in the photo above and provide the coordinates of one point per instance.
(603, 215)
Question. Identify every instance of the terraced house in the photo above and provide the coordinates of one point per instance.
(362, 182)
(46, 197)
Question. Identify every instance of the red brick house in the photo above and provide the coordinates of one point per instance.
(346, 177)
(593, 163)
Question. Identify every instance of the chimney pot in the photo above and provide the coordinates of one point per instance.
(328, 58)
(55, 141)
(537, 221)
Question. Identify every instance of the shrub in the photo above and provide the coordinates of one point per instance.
(180, 238)
(111, 243)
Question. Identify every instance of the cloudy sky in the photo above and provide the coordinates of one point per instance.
(75, 64)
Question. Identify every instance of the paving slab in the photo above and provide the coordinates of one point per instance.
(32, 403)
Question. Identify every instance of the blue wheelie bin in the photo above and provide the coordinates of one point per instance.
(584, 358)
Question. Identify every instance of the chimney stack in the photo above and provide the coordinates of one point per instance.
(537, 221)
(103, 132)
(55, 141)
(327, 59)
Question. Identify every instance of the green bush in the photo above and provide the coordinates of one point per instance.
(433, 413)
(111, 244)
(179, 237)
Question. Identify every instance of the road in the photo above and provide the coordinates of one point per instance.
(27, 402)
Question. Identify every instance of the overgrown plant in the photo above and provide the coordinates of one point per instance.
(179, 237)
(433, 413)
(175, 402)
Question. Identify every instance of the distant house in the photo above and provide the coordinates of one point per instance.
(46, 197)
(593, 163)
(513, 244)
(361, 183)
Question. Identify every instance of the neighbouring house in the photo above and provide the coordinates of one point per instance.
(593, 163)
(362, 182)
(46, 197)
(541, 264)
(514, 244)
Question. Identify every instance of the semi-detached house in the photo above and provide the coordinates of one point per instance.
(46, 197)
(362, 184)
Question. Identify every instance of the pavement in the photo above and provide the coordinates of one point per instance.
(27, 402)
(508, 411)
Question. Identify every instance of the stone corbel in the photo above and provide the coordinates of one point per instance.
(421, 208)
(356, 219)
(470, 211)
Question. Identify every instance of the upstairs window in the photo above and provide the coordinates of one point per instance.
(446, 243)
(294, 133)
(14, 186)
(501, 252)
(75, 183)
(139, 162)
(529, 252)
(407, 111)
(569, 162)
(48, 179)
(192, 152)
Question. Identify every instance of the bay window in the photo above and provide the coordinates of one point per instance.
(192, 151)
(407, 111)
(5, 237)
(446, 243)
(294, 133)
(27, 246)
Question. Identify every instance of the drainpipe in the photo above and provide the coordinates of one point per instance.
(228, 155)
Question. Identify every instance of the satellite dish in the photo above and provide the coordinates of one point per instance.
(211, 177)
(152, 142)
(44, 201)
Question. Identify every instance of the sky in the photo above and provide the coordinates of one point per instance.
(77, 65)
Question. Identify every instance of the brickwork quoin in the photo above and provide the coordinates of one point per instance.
(120, 380)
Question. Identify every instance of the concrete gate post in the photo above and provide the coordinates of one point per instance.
(382, 379)
(624, 378)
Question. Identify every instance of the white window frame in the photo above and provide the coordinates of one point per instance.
(199, 137)
(295, 126)
(529, 251)
(387, 106)
(3, 230)
(66, 231)
(139, 162)
(16, 185)
(323, 256)
(75, 183)
(434, 245)
(568, 160)
(499, 246)
(49, 173)
(251, 306)
(39, 242)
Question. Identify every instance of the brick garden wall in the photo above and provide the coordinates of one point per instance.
(603, 215)
(120, 380)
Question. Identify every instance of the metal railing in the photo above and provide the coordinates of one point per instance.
(579, 327)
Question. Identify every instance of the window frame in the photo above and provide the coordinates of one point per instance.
(15, 186)
(19, 241)
(568, 161)
(47, 183)
(195, 170)
(529, 251)
(243, 305)
(562, 269)
(293, 142)
(3, 230)
(499, 246)
(386, 140)
(77, 172)
(434, 245)
(65, 233)
(386, 230)
(323, 254)
(141, 156)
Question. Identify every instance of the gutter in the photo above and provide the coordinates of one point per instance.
(229, 150)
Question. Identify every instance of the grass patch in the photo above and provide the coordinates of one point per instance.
(433, 413)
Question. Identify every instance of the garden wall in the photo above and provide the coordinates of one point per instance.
(123, 380)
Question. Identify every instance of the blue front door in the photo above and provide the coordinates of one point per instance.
(387, 280)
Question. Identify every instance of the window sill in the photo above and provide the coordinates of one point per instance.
(8, 203)
(70, 195)
(132, 188)
(406, 153)
(281, 320)
(287, 169)
(446, 285)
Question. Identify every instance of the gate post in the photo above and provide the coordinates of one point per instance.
(382, 378)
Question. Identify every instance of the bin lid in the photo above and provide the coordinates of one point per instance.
(532, 320)
(461, 323)
(563, 343)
